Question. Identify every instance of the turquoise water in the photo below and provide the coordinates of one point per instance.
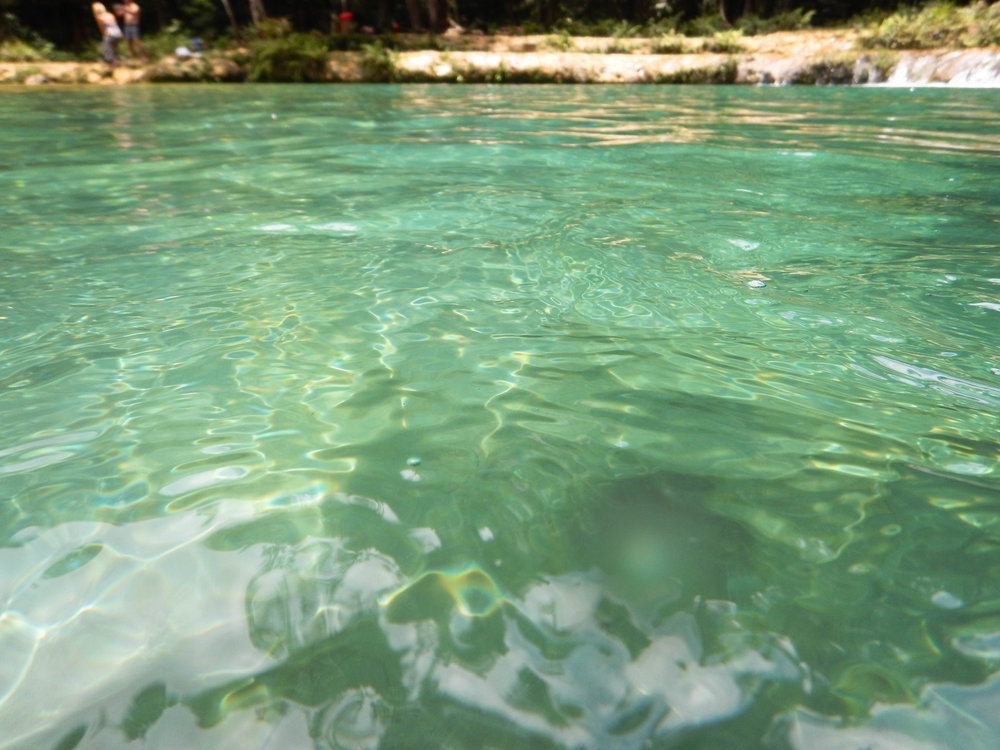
(458, 417)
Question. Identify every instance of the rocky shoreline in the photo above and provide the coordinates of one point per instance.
(815, 56)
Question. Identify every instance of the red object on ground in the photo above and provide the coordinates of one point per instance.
(344, 22)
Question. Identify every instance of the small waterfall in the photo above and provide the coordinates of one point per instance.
(973, 68)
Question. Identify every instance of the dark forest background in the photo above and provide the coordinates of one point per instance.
(68, 24)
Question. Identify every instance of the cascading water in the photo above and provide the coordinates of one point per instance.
(973, 68)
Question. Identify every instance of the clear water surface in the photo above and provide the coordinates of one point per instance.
(456, 417)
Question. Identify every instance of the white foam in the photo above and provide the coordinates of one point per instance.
(276, 228)
(335, 226)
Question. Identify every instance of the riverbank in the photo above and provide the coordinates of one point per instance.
(813, 56)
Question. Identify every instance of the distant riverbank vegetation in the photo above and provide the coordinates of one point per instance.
(937, 24)
(290, 39)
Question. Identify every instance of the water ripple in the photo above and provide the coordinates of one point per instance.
(572, 416)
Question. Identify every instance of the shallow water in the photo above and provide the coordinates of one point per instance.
(458, 417)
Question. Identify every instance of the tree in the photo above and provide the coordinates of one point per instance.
(232, 18)
(437, 15)
(257, 14)
(413, 11)
(706, 9)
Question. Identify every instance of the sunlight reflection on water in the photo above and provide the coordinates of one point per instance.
(562, 416)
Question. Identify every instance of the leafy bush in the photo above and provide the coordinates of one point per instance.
(704, 25)
(625, 30)
(984, 26)
(669, 44)
(378, 63)
(937, 24)
(660, 24)
(354, 41)
(794, 20)
(867, 19)
(14, 50)
(621, 45)
(791, 20)
(603, 27)
(725, 41)
(166, 40)
(291, 58)
(666, 25)
(21, 44)
(561, 41)
(241, 56)
(274, 28)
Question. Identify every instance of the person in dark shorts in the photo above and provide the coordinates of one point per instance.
(129, 13)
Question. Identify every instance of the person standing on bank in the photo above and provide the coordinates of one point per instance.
(129, 13)
(110, 33)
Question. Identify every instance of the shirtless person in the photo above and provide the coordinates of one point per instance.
(129, 13)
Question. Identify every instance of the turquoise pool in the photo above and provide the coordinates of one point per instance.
(499, 417)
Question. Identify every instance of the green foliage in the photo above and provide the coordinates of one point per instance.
(165, 41)
(846, 67)
(14, 50)
(378, 63)
(833, 68)
(531, 26)
(706, 25)
(561, 41)
(669, 44)
(791, 20)
(725, 72)
(937, 24)
(795, 19)
(625, 30)
(353, 41)
(279, 52)
(274, 28)
(940, 23)
(620, 45)
(200, 15)
(24, 74)
(663, 26)
(21, 44)
(883, 61)
(607, 27)
(867, 19)
(289, 58)
(241, 56)
(725, 41)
